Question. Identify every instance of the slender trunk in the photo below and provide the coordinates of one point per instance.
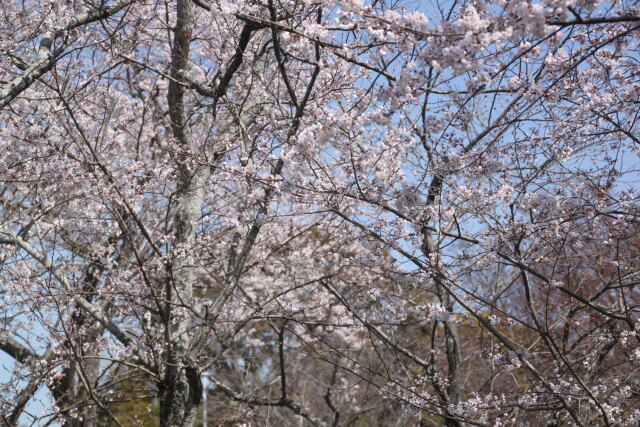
(72, 391)
(453, 361)
(181, 387)
(453, 390)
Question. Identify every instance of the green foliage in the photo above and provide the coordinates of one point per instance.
(133, 403)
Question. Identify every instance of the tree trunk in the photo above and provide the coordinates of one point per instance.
(181, 387)
(180, 398)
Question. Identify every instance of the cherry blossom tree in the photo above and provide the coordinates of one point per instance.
(339, 212)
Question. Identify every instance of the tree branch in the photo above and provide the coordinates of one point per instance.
(119, 334)
(47, 59)
(297, 408)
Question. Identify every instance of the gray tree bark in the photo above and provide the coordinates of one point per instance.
(181, 387)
